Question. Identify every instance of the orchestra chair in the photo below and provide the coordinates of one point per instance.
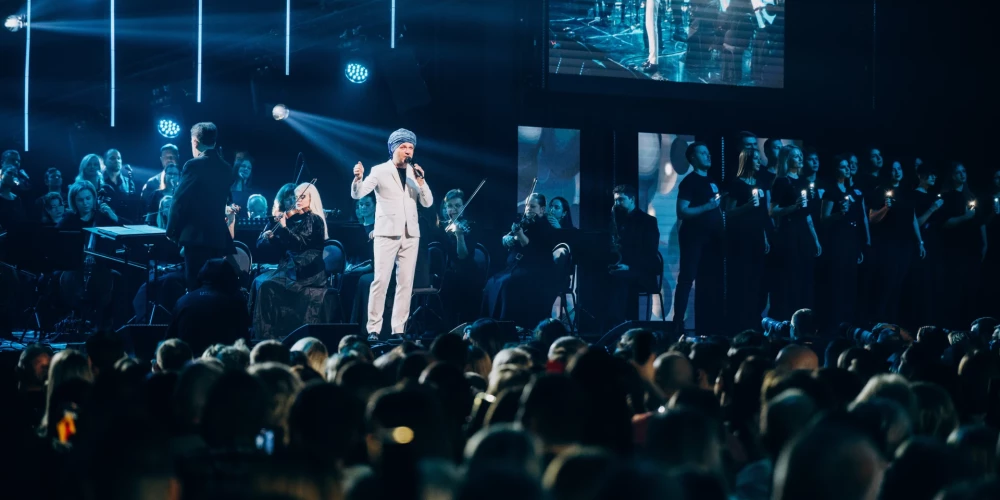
(649, 294)
(566, 269)
(335, 261)
(415, 324)
(244, 258)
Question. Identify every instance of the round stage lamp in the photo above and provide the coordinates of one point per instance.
(280, 112)
(356, 72)
(169, 128)
(13, 23)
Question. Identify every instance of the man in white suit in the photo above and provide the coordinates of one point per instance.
(398, 184)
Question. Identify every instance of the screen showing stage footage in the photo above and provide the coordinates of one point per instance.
(551, 155)
(662, 167)
(766, 156)
(720, 42)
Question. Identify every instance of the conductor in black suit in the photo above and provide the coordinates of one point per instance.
(197, 218)
(636, 237)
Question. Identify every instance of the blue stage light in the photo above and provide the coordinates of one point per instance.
(356, 72)
(13, 23)
(168, 128)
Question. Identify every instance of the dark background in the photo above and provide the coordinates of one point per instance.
(909, 77)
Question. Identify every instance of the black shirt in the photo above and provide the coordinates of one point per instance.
(752, 220)
(930, 230)
(698, 190)
(897, 225)
(786, 192)
(966, 234)
(11, 212)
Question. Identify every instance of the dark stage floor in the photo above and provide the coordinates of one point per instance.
(579, 44)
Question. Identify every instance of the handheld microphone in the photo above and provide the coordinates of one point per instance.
(416, 173)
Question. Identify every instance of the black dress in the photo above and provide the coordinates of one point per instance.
(293, 294)
(745, 257)
(795, 251)
(524, 292)
(894, 248)
(925, 275)
(961, 263)
(988, 303)
(462, 282)
(842, 238)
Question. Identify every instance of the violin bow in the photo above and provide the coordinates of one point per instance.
(466, 205)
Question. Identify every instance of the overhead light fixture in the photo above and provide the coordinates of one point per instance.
(14, 23)
(280, 112)
(356, 72)
(168, 127)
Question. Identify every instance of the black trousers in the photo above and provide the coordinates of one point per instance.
(195, 258)
(702, 258)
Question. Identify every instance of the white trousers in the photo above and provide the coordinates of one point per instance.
(389, 251)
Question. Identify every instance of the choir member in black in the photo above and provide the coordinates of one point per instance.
(896, 241)
(243, 163)
(638, 241)
(53, 184)
(171, 178)
(169, 154)
(926, 274)
(11, 207)
(293, 294)
(844, 235)
(765, 179)
(117, 187)
(812, 161)
(852, 163)
(462, 285)
(964, 238)
(91, 170)
(870, 177)
(746, 245)
(54, 208)
(795, 240)
(701, 236)
(524, 292)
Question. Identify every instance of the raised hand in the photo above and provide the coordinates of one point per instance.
(359, 171)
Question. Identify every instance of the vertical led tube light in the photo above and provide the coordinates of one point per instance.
(112, 63)
(392, 26)
(198, 93)
(27, 65)
(288, 33)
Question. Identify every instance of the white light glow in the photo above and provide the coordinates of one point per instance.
(392, 26)
(198, 96)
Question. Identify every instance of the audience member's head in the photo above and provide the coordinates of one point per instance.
(33, 367)
(672, 372)
(684, 437)
(237, 408)
(450, 348)
(886, 423)
(360, 378)
(172, 355)
(281, 387)
(553, 408)
(326, 422)
(936, 413)
(638, 345)
(356, 345)
(315, 352)
(270, 351)
(502, 446)
(412, 418)
(548, 331)
(848, 467)
(796, 357)
(891, 387)
(577, 472)
(708, 360)
(922, 467)
(803, 325)
(565, 348)
(486, 334)
(104, 348)
(478, 362)
(234, 358)
(784, 416)
(979, 445)
(192, 390)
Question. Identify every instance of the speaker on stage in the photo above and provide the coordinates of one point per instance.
(142, 340)
(327, 333)
(663, 330)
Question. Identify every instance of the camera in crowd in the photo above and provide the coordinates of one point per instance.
(776, 329)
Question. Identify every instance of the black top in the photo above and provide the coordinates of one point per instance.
(698, 190)
(897, 226)
(931, 229)
(764, 179)
(852, 223)
(538, 253)
(639, 236)
(867, 184)
(755, 219)
(301, 232)
(785, 193)
(11, 212)
(966, 234)
(197, 216)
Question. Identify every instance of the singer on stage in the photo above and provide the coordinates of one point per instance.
(398, 184)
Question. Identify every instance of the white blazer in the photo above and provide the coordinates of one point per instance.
(395, 210)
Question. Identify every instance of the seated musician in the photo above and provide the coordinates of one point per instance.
(169, 280)
(11, 208)
(53, 209)
(638, 240)
(84, 209)
(240, 190)
(357, 279)
(117, 186)
(256, 206)
(163, 215)
(525, 291)
(169, 179)
(91, 168)
(293, 294)
(462, 286)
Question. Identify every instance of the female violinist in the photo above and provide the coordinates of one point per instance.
(294, 293)
(462, 281)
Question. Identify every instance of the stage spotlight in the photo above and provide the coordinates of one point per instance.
(13, 23)
(168, 128)
(280, 112)
(356, 72)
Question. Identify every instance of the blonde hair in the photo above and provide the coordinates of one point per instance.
(315, 203)
(100, 171)
(161, 219)
(783, 158)
(163, 175)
